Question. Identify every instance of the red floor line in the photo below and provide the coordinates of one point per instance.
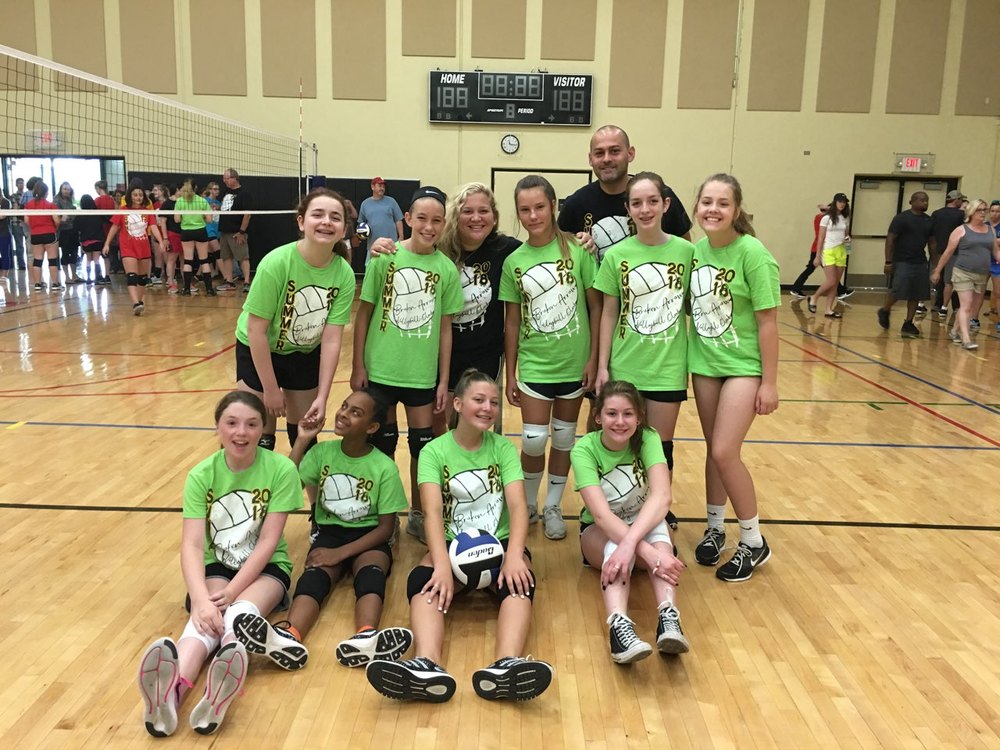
(4, 394)
(24, 391)
(104, 354)
(893, 393)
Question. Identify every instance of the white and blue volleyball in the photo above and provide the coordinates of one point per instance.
(476, 558)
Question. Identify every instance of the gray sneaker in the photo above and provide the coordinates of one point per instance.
(415, 525)
(555, 527)
(532, 514)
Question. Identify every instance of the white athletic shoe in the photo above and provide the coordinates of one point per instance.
(415, 679)
(512, 678)
(226, 675)
(277, 644)
(371, 645)
(555, 527)
(159, 672)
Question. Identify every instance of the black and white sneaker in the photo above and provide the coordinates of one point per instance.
(373, 645)
(741, 566)
(709, 549)
(797, 294)
(39, 287)
(138, 308)
(417, 679)
(261, 637)
(512, 678)
(669, 636)
(845, 294)
(671, 520)
(626, 646)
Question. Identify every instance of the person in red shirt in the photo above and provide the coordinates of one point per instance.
(103, 202)
(797, 288)
(134, 231)
(43, 238)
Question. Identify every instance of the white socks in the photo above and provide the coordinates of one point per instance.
(750, 532)
(717, 517)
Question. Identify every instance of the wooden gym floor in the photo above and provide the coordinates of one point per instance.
(876, 623)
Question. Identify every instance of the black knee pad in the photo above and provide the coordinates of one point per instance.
(417, 579)
(213, 256)
(668, 451)
(418, 437)
(503, 592)
(266, 442)
(143, 281)
(37, 262)
(386, 439)
(314, 583)
(131, 279)
(370, 580)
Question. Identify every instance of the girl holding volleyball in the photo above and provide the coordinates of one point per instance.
(289, 333)
(551, 336)
(622, 476)
(470, 479)
(644, 279)
(733, 359)
(402, 332)
(235, 562)
(355, 493)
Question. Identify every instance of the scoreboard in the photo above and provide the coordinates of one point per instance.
(467, 97)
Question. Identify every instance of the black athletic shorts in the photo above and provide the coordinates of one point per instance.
(194, 235)
(398, 394)
(665, 397)
(296, 371)
(218, 570)
(551, 391)
(331, 536)
(486, 362)
(43, 239)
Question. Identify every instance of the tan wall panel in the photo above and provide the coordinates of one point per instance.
(778, 55)
(498, 28)
(77, 28)
(148, 44)
(916, 67)
(708, 54)
(288, 48)
(568, 29)
(218, 47)
(359, 67)
(847, 57)
(17, 29)
(638, 40)
(978, 81)
(430, 28)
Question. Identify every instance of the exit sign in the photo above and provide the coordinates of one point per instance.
(913, 163)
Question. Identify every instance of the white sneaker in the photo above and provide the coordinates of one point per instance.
(415, 525)
(555, 527)
(532, 514)
(226, 675)
(159, 672)
(415, 679)
(371, 645)
(259, 636)
(512, 678)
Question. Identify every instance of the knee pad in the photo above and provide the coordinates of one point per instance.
(143, 281)
(190, 631)
(213, 256)
(417, 579)
(386, 439)
(314, 583)
(131, 279)
(37, 262)
(503, 592)
(417, 438)
(563, 435)
(369, 580)
(266, 442)
(234, 610)
(533, 439)
(668, 451)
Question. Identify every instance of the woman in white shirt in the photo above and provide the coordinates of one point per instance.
(831, 252)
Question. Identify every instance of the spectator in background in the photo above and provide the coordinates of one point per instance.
(69, 236)
(796, 291)
(382, 215)
(104, 202)
(17, 226)
(906, 262)
(211, 194)
(6, 241)
(234, 242)
(944, 221)
(170, 230)
(995, 264)
(44, 230)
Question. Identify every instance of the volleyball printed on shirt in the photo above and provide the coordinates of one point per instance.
(474, 504)
(232, 528)
(624, 494)
(655, 304)
(712, 307)
(310, 311)
(550, 307)
(341, 498)
(477, 293)
(609, 231)
(135, 225)
(412, 304)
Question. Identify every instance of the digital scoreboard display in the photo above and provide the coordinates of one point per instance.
(468, 97)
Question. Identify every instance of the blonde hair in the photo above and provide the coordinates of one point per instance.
(187, 189)
(741, 223)
(450, 244)
(973, 206)
(537, 181)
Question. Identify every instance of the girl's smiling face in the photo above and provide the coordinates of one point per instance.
(535, 212)
(354, 417)
(479, 405)
(323, 221)
(716, 210)
(619, 419)
(239, 428)
(426, 219)
(645, 205)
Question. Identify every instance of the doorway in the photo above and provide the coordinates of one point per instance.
(81, 172)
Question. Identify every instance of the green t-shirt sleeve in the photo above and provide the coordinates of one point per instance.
(762, 275)
(509, 291)
(286, 490)
(429, 466)
(510, 462)
(311, 465)
(588, 267)
(585, 465)
(606, 280)
(265, 292)
(340, 310)
(652, 449)
(391, 496)
(371, 287)
(452, 299)
(195, 492)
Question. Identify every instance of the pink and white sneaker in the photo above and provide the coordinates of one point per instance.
(159, 673)
(226, 675)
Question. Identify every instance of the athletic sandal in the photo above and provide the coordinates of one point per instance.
(810, 304)
(277, 644)
(226, 675)
(512, 678)
(374, 645)
(417, 679)
(159, 673)
(833, 314)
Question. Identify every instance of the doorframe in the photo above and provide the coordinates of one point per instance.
(951, 183)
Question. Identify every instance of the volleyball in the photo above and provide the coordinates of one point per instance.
(551, 305)
(310, 316)
(363, 231)
(608, 231)
(476, 557)
(412, 304)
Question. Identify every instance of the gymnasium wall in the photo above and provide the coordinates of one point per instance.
(795, 97)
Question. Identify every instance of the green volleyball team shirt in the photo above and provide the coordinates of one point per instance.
(621, 475)
(472, 482)
(235, 504)
(554, 340)
(300, 300)
(649, 340)
(410, 292)
(193, 221)
(353, 491)
(728, 285)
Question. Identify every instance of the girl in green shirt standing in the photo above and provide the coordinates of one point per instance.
(733, 359)
(194, 236)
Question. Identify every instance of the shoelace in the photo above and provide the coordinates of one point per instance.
(625, 632)
(671, 619)
(742, 551)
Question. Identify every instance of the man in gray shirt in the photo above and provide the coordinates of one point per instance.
(382, 215)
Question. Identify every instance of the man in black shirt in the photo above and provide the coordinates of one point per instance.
(233, 242)
(944, 221)
(906, 262)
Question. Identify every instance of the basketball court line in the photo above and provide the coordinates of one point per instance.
(101, 354)
(902, 525)
(39, 322)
